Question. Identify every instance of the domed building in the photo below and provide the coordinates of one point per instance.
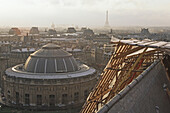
(50, 78)
(34, 30)
(14, 31)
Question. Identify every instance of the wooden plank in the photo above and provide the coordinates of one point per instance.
(125, 69)
(133, 66)
(129, 52)
(123, 77)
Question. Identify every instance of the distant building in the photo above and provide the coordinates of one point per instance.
(3, 67)
(88, 32)
(52, 32)
(26, 38)
(19, 56)
(71, 30)
(145, 31)
(97, 55)
(43, 33)
(111, 31)
(102, 39)
(108, 52)
(34, 30)
(83, 28)
(14, 31)
(5, 48)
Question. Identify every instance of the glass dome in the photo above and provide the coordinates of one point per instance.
(51, 59)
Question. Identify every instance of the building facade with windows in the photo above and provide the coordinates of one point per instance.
(19, 56)
(50, 78)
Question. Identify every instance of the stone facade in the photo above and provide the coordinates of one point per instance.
(19, 56)
(3, 66)
(53, 93)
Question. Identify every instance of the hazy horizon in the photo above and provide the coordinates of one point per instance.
(84, 12)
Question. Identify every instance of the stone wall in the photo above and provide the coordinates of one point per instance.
(76, 90)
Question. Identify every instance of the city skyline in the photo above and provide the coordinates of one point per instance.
(84, 12)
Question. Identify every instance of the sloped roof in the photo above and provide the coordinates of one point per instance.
(146, 96)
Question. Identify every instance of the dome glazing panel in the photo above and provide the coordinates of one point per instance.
(51, 59)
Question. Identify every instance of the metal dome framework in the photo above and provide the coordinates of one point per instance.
(51, 59)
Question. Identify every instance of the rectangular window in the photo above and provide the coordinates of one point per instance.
(17, 98)
(52, 100)
(9, 96)
(64, 98)
(39, 100)
(27, 99)
(76, 96)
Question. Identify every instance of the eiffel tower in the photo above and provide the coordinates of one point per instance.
(107, 21)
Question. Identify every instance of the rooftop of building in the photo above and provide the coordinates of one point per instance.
(134, 80)
(147, 93)
(18, 72)
(23, 50)
(50, 62)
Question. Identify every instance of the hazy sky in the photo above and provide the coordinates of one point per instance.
(84, 12)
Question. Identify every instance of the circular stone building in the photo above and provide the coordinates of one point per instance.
(51, 78)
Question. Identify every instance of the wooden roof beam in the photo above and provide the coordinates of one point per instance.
(125, 70)
(128, 52)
